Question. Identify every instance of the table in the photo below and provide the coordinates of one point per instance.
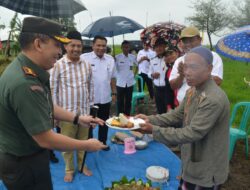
(108, 166)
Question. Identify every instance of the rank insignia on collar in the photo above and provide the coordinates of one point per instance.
(29, 71)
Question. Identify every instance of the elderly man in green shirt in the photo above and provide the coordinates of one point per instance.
(27, 112)
(204, 115)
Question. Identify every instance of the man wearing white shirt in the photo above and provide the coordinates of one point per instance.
(103, 68)
(190, 38)
(157, 72)
(124, 78)
(143, 59)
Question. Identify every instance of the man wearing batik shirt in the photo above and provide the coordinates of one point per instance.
(72, 88)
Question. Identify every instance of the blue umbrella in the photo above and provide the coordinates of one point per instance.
(236, 45)
(111, 26)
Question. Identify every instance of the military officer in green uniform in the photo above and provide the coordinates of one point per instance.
(204, 115)
(27, 112)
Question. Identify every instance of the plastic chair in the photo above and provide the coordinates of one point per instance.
(241, 131)
(136, 93)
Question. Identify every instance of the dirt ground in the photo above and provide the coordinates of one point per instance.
(239, 176)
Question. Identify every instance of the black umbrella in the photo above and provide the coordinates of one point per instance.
(45, 8)
(111, 26)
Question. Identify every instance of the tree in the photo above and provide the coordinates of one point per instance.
(241, 14)
(210, 16)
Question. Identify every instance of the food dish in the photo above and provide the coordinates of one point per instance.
(132, 120)
(157, 174)
(140, 144)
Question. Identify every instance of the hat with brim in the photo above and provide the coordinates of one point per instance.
(189, 32)
(44, 26)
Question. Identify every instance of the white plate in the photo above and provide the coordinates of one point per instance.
(131, 119)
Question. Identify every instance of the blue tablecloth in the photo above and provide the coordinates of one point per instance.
(108, 166)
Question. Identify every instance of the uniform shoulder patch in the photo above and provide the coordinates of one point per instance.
(29, 71)
(37, 88)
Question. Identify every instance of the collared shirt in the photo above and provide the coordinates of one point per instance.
(26, 107)
(143, 67)
(124, 70)
(158, 65)
(103, 71)
(217, 71)
(72, 85)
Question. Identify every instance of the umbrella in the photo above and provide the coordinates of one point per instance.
(236, 45)
(45, 8)
(170, 31)
(111, 26)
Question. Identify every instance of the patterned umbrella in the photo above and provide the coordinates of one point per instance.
(170, 31)
(236, 45)
(45, 8)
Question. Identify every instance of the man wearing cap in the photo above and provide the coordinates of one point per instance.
(190, 38)
(27, 112)
(204, 114)
(124, 63)
(72, 88)
(157, 72)
(143, 59)
(103, 68)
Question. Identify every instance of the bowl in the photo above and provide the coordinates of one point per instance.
(141, 144)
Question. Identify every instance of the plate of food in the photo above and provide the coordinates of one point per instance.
(124, 122)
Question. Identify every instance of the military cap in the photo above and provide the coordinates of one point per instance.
(44, 26)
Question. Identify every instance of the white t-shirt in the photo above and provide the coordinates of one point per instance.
(103, 71)
(124, 70)
(217, 71)
(143, 67)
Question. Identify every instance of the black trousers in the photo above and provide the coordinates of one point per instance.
(27, 172)
(160, 99)
(124, 98)
(149, 83)
(103, 113)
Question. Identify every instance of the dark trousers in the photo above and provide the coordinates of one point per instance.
(124, 98)
(190, 186)
(103, 113)
(160, 99)
(149, 83)
(27, 172)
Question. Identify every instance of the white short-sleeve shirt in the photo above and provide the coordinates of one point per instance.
(124, 70)
(143, 67)
(158, 65)
(103, 71)
(217, 71)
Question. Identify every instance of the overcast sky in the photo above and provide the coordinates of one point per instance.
(145, 12)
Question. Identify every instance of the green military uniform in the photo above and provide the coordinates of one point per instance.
(25, 110)
(204, 115)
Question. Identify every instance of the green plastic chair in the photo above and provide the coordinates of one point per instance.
(241, 131)
(136, 93)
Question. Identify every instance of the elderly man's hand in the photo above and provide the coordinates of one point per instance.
(142, 116)
(146, 128)
(94, 145)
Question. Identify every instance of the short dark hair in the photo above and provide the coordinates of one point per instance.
(98, 37)
(27, 38)
(75, 35)
(125, 42)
